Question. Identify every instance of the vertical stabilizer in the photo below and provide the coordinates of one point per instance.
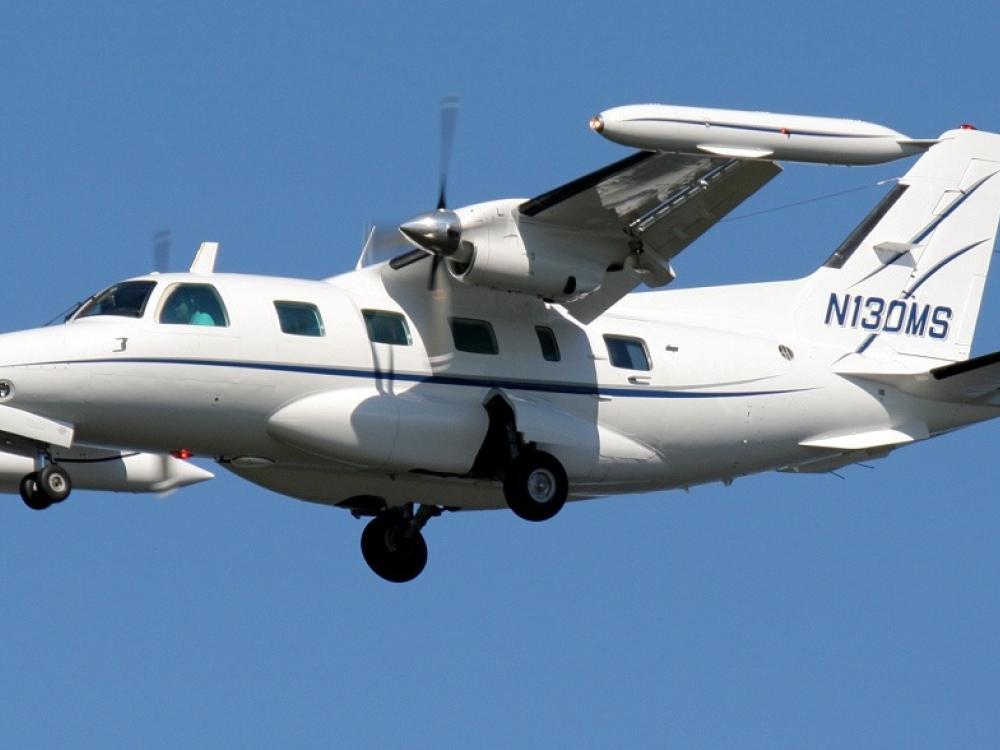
(909, 280)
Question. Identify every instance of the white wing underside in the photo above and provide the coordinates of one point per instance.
(647, 208)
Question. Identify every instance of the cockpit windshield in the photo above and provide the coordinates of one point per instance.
(127, 299)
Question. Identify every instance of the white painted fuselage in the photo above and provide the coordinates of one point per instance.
(731, 390)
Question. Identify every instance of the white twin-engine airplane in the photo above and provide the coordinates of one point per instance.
(527, 375)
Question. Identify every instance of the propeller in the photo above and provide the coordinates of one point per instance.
(449, 118)
(161, 261)
(161, 250)
(437, 234)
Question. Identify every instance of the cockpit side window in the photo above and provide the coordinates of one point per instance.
(193, 304)
(127, 300)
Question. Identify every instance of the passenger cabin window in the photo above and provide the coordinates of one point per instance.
(547, 340)
(474, 336)
(299, 318)
(627, 353)
(387, 327)
(127, 299)
(193, 304)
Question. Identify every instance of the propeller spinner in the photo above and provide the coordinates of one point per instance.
(437, 234)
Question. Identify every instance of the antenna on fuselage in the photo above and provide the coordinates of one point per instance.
(204, 259)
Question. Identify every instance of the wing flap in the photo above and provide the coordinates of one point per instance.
(687, 216)
(647, 207)
(648, 189)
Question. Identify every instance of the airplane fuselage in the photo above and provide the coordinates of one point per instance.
(697, 403)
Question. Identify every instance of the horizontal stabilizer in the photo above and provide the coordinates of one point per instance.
(974, 380)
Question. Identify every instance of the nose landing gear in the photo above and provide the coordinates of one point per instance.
(40, 489)
(392, 544)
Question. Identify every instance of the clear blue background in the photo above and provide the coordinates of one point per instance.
(781, 612)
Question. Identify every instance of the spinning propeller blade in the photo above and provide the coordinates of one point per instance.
(449, 118)
(161, 250)
(437, 233)
(406, 259)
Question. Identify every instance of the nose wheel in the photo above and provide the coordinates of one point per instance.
(40, 489)
(392, 544)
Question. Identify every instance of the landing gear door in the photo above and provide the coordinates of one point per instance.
(587, 450)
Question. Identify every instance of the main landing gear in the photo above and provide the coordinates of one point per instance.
(392, 544)
(40, 489)
(535, 485)
(534, 482)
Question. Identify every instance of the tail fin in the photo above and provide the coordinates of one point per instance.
(909, 280)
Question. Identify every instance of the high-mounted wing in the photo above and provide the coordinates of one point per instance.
(651, 206)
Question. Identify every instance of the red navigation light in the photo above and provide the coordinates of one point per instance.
(785, 131)
(968, 126)
(182, 453)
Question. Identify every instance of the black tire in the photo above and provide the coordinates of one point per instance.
(30, 493)
(54, 483)
(390, 552)
(535, 486)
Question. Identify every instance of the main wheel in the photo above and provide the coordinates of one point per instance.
(391, 551)
(535, 486)
(31, 495)
(54, 483)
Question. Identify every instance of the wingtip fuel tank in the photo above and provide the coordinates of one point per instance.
(109, 470)
(754, 135)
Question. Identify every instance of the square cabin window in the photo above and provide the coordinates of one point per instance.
(475, 336)
(299, 318)
(547, 340)
(387, 327)
(627, 353)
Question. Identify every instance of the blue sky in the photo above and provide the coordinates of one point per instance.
(781, 612)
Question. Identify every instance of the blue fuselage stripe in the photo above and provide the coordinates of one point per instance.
(583, 389)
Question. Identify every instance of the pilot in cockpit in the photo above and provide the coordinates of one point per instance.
(186, 306)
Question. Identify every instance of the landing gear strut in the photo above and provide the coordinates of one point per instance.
(392, 544)
(40, 489)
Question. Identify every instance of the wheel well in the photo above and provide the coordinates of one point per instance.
(502, 443)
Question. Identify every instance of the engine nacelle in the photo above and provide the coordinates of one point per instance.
(504, 250)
